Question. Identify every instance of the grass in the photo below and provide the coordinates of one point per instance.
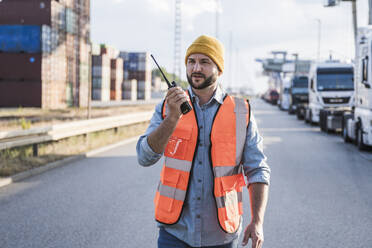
(16, 160)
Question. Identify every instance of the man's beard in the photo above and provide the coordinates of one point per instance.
(207, 81)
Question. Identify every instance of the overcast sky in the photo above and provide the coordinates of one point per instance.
(256, 28)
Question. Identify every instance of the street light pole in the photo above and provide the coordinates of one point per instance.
(217, 17)
(354, 12)
(319, 33)
(355, 22)
(369, 12)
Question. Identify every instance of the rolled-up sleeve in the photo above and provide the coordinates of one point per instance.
(254, 160)
(145, 155)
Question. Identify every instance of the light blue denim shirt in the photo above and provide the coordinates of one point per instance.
(198, 225)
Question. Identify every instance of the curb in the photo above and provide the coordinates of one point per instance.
(39, 170)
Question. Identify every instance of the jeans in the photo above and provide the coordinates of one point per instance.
(166, 240)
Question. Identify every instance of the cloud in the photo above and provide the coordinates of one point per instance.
(257, 27)
(160, 5)
(193, 8)
(117, 1)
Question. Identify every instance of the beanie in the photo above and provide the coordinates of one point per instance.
(210, 47)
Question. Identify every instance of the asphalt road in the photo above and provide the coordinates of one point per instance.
(320, 195)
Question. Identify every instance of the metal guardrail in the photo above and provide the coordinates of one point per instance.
(35, 136)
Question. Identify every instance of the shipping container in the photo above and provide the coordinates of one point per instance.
(46, 43)
(130, 85)
(64, 51)
(69, 3)
(71, 21)
(20, 66)
(30, 12)
(129, 95)
(111, 52)
(139, 75)
(100, 94)
(101, 60)
(129, 90)
(96, 49)
(58, 16)
(20, 38)
(20, 93)
(124, 55)
(143, 85)
(144, 95)
(116, 78)
(84, 52)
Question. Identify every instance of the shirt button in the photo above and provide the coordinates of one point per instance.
(198, 216)
(201, 127)
(199, 180)
(198, 198)
(200, 162)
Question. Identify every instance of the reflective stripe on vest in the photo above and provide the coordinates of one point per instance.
(227, 143)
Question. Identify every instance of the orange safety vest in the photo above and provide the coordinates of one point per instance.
(227, 138)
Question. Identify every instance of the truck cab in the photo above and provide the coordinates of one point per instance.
(284, 94)
(299, 95)
(331, 88)
(358, 124)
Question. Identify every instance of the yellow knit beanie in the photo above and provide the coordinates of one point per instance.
(209, 46)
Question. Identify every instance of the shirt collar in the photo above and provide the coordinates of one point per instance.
(218, 95)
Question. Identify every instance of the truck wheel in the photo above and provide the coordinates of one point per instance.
(360, 143)
(298, 114)
(311, 118)
(321, 121)
(290, 109)
(325, 122)
(344, 132)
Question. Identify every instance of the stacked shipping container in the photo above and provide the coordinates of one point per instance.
(103, 59)
(116, 79)
(137, 66)
(41, 52)
(130, 90)
(101, 77)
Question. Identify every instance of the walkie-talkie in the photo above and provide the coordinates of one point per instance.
(185, 106)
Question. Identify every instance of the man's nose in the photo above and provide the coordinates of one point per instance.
(197, 67)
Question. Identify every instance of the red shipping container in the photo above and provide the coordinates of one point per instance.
(35, 12)
(20, 93)
(20, 66)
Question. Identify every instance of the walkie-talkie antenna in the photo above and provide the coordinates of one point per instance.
(166, 79)
(185, 106)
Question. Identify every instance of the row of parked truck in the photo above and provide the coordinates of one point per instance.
(336, 96)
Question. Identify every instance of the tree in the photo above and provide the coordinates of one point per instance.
(170, 76)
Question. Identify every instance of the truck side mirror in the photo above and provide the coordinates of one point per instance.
(312, 85)
(367, 85)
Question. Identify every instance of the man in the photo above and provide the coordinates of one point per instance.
(198, 202)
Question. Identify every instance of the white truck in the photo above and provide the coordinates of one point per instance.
(283, 103)
(357, 124)
(299, 95)
(331, 91)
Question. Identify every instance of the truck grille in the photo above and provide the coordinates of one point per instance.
(336, 100)
(300, 98)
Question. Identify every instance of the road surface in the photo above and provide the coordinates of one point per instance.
(320, 195)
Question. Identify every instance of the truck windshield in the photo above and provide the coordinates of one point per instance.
(331, 79)
(299, 85)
